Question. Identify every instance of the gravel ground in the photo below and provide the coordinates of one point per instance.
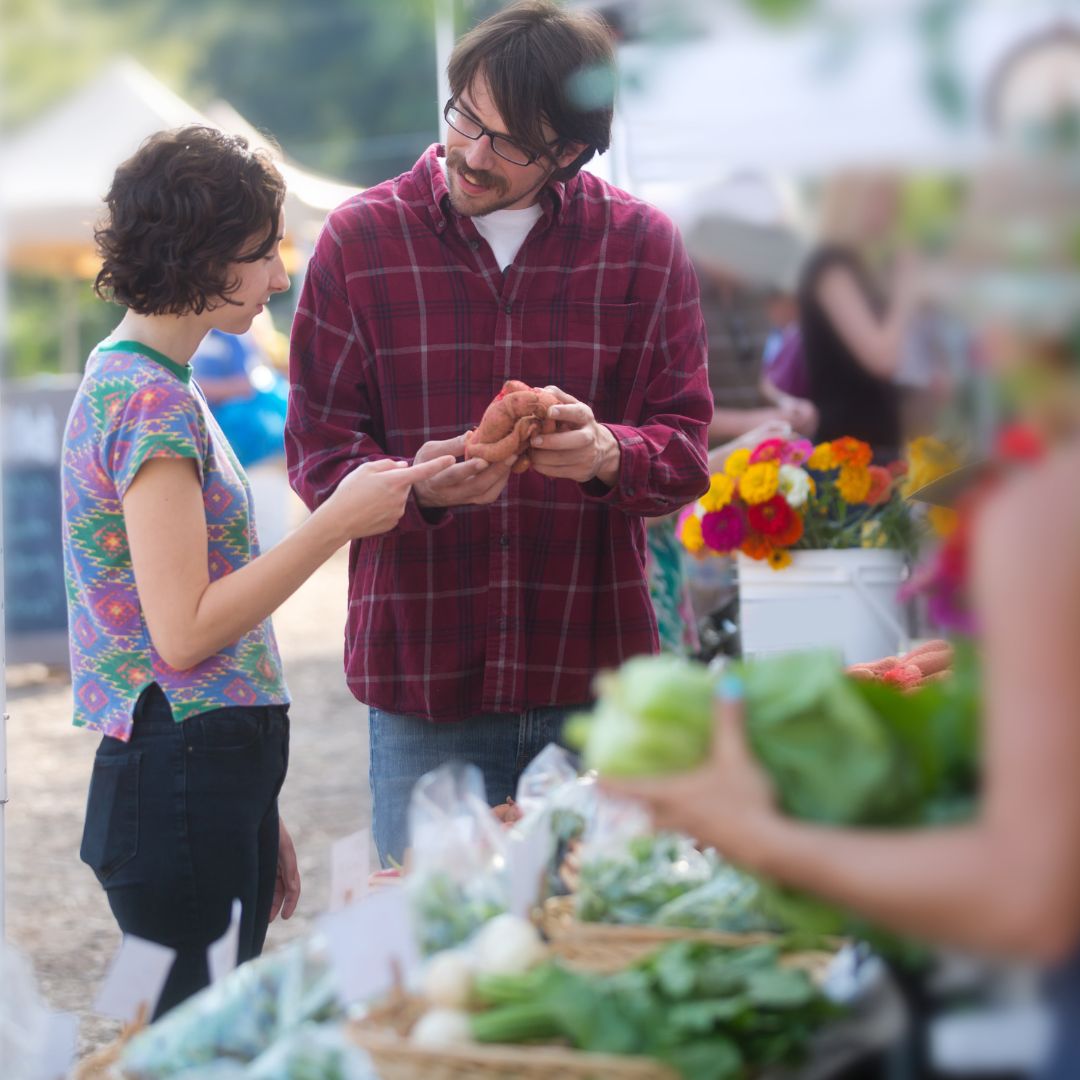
(57, 914)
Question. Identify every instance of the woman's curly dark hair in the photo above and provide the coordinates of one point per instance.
(187, 204)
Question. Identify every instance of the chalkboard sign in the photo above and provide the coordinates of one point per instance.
(35, 602)
(34, 597)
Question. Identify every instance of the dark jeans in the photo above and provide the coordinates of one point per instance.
(182, 820)
(403, 748)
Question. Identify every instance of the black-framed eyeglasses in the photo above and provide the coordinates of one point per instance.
(504, 147)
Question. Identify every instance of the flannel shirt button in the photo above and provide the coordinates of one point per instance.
(474, 245)
(504, 541)
(630, 491)
(508, 308)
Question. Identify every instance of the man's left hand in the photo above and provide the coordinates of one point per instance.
(580, 448)
(287, 882)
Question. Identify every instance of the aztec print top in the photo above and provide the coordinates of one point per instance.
(135, 404)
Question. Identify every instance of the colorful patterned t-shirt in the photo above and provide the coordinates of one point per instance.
(135, 404)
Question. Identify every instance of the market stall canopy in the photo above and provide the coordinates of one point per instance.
(57, 170)
(817, 97)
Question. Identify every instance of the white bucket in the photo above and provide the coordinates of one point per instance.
(844, 599)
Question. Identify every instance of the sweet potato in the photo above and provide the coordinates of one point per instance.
(517, 413)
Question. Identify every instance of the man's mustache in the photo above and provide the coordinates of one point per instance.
(456, 160)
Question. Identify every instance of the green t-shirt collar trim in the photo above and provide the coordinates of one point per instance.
(181, 371)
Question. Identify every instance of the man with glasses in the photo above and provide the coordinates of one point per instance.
(480, 621)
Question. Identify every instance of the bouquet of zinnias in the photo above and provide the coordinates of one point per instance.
(786, 494)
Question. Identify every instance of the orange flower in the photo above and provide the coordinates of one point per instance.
(792, 534)
(849, 451)
(880, 486)
(756, 547)
(779, 559)
(853, 483)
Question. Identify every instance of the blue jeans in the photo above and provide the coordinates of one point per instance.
(180, 821)
(403, 748)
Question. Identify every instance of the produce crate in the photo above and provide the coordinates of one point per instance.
(384, 1034)
(605, 948)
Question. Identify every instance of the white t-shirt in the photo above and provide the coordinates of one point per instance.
(505, 230)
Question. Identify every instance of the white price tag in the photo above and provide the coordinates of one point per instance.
(369, 943)
(135, 978)
(527, 855)
(221, 956)
(350, 865)
(61, 1043)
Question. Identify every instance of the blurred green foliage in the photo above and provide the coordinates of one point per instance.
(347, 87)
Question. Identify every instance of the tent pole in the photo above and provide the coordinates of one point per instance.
(444, 46)
(3, 634)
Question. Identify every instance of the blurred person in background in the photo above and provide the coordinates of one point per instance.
(1008, 883)
(478, 622)
(173, 656)
(742, 321)
(852, 337)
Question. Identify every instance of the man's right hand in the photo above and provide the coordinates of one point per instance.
(465, 483)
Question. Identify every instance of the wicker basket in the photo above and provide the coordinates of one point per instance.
(383, 1033)
(606, 948)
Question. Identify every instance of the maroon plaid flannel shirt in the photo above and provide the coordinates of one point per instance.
(405, 330)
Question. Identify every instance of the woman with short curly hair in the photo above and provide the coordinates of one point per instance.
(173, 657)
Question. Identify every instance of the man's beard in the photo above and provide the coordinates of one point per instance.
(496, 187)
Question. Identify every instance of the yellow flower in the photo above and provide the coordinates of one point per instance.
(853, 483)
(822, 459)
(873, 535)
(737, 462)
(690, 534)
(942, 520)
(779, 558)
(721, 490)
(760, 482)
(928, 458)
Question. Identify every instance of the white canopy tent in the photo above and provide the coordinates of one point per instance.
(811, 99)
(56, 171)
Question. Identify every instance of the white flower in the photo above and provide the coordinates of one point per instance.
(794, 485)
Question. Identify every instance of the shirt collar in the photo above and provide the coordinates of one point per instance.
(552, 195)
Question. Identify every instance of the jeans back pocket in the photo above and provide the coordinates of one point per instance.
(111, 831)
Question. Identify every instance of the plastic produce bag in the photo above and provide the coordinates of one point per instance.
(457, 880)
(556, 802)
(239, 1017)
(628, 881)
(313, 1052)
(549, 771)
(23, 1018)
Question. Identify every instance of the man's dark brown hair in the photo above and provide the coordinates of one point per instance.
(543, 63)
(187, 204)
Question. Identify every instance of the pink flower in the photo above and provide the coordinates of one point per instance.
(769, 450)
(797, 451)
(723, 530)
